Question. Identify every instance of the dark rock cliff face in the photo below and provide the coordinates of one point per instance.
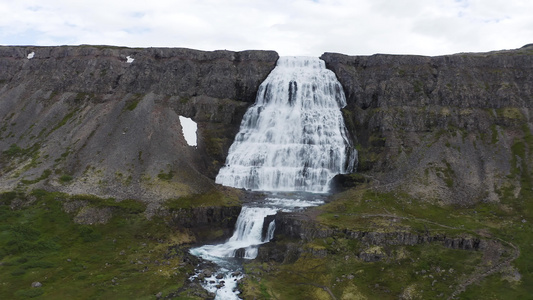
(204, 221)
(444, 128)
(84, 120)
(297, 227)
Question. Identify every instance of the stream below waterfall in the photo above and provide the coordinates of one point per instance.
(253, 228)
(290, 145)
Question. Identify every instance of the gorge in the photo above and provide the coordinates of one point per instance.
(439, 207)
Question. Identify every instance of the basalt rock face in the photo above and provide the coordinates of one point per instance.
(88, 120)
(204, 222)
(295, 228)
(446, 128)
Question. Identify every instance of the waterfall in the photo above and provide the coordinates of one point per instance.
(293, 138)
(246, 237)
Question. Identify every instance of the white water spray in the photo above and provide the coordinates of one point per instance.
(292, 139)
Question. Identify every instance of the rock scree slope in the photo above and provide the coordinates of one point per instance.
(84, 120)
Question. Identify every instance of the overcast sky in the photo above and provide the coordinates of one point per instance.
(299, 27)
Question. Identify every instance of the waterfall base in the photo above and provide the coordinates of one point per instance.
(255, 226)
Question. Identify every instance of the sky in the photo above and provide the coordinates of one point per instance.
(290, 27)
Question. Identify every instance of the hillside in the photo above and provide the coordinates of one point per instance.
(92, 156)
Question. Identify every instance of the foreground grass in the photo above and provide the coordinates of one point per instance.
(416, 272)
(129, 257)
(332, 268)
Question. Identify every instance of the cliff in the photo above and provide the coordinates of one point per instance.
(452, 128)
(90, 120)
(87, 119)
(441, 199)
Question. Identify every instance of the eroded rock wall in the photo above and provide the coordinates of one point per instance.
(444, 128)
(84, 120)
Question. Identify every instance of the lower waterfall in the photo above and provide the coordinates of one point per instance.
(293, 139)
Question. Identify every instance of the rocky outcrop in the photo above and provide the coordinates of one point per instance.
(299, 226)
(439, 127)
(89, 120)
(295, 234)
(207, 224)
(217, 216)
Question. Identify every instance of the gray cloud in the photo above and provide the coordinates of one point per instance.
(299, 27)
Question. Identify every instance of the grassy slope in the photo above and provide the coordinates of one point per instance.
(424, 271)
(129, 257)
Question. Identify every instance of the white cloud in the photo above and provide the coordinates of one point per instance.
(299, 27)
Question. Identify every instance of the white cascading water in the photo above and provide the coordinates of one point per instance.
(292, 139)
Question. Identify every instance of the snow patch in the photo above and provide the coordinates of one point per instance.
(31, 55)
(129, 59)
(189, 130)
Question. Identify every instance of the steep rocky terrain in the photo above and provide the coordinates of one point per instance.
(442, 127)
(88, 120)
(440, 206)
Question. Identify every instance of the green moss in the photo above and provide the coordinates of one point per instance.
(29, 293)
(7, 197)
(447, 174)
(83, 96)
(512, 113)
(132, 103)
(63, 121)
(44, 175)
(214, 143)
(165, 176)
(13, 151)
(418, 86)
(129, 206)
(494, 130)
(65, 178)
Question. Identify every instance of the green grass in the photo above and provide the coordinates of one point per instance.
(165, 176)
(132, 104)
(509, 220)
(44, 175)
(65, 178)
(347, 277)
(512, 113)
(40, 242)
(13, 151)
(63, 121)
